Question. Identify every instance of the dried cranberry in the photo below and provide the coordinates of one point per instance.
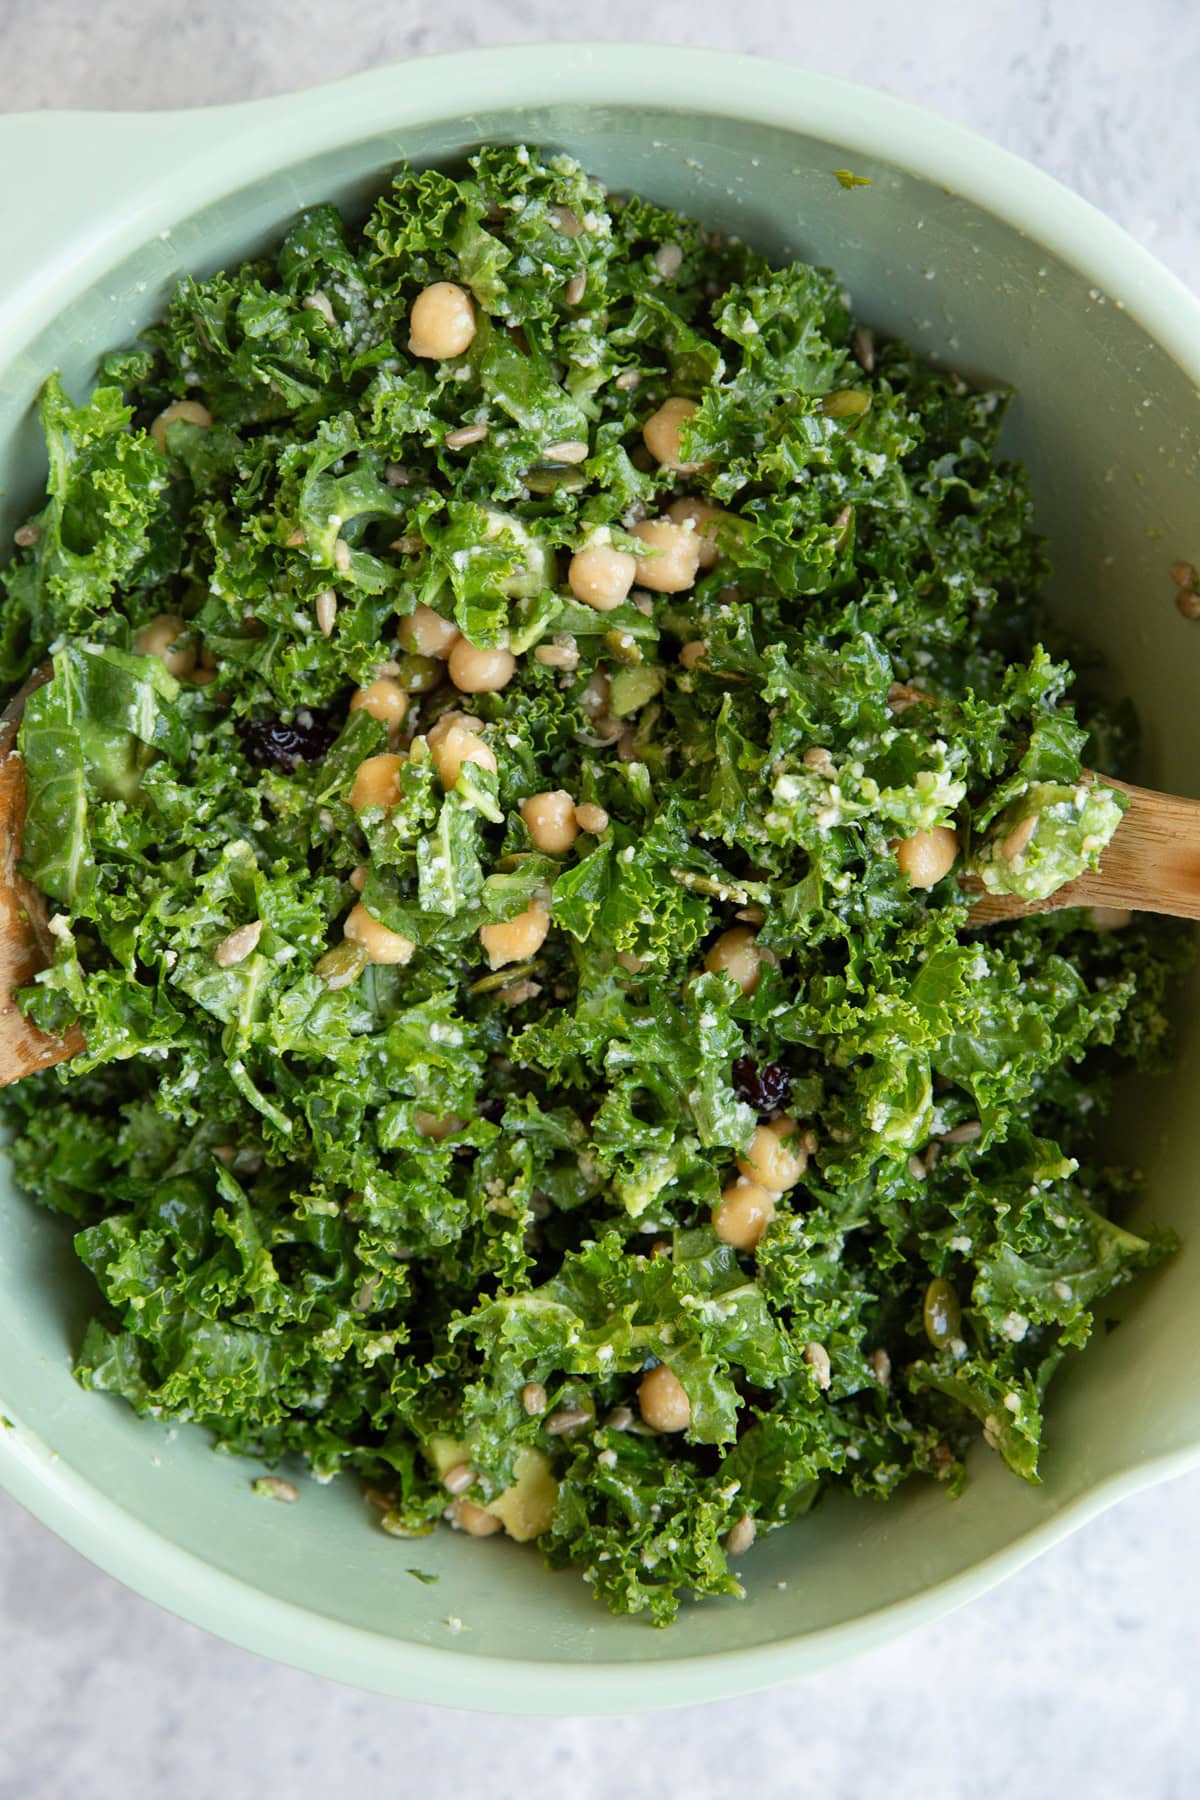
(705, 1457)
(274, 744)
(767, 1089)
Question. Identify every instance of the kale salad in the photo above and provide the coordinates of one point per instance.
(528, 677)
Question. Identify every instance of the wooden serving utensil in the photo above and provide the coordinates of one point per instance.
(1151, 865)
(25, 942)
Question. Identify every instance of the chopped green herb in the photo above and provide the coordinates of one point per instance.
(848, 179)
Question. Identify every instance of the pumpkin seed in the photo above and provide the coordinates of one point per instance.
(943, 1314)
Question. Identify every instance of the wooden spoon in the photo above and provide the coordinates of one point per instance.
(1152, 864)
(25, 942)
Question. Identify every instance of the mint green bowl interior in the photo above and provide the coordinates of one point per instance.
(979, 260)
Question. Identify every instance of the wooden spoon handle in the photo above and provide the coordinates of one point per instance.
(25, 942)
(1151, 865)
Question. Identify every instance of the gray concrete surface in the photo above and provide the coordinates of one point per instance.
(1078, 1677)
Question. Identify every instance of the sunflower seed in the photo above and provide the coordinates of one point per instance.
(741, 1536)
(273, 1487)
(458, 1479)
(319, 301)
(966, 1133)
(862, 343)
(238, 945)
(574, 450)
(566, 1419)
(326, 609)
(817, 1358)
(464, 435)
(563, 653)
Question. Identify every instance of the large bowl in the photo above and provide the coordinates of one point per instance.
(977, 259)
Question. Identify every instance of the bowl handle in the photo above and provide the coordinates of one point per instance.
(69, 178)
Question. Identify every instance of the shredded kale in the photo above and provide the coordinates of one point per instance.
(436, 1215)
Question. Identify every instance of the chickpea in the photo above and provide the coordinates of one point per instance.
(692, 653)
(601, 576)
(676, 560)
(455, 747)
(425, 633)
(551, 820)
(591, 818)
(663, 1401)
(1109, 918)
(442, 321)
(384, 699)
(746, 1209)
(445, 722)
(704, 519)
(773, 1160)
(660, 434)
(477, 671)
(376, 782)
(156, 639)
(380, 944)
(928, 855)
(736, 953)
(515, 940)
(475, 1520)
(190, 411)
(205, 671)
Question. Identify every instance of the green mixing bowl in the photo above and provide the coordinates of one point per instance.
(975, 258)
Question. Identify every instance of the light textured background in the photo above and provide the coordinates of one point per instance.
(1078, 1677)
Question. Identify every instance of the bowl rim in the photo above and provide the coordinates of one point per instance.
(157, 1569)
(199, 157)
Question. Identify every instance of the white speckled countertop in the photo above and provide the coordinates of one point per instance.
(1077, 1678)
